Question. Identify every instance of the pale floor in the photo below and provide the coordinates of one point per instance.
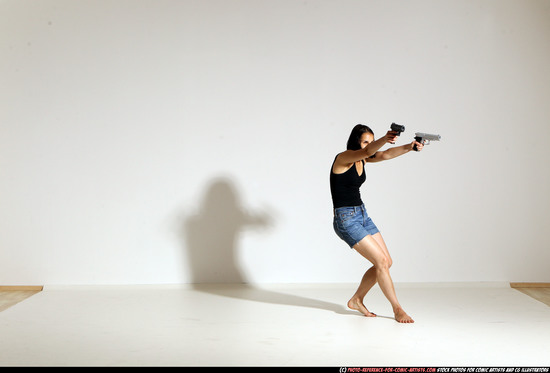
(278, 325)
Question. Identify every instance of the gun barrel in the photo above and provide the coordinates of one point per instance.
(397, 128)
(428, 136)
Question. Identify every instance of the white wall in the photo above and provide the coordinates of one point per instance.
(166, 141)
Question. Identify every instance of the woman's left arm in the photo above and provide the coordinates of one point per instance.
(394, 152)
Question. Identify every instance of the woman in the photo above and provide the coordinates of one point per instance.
(351, 222)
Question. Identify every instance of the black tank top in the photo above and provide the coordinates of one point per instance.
(344, 188)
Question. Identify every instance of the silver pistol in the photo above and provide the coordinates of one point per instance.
(425, 138)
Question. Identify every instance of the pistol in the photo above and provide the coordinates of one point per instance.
(397, 128)
(423, 137)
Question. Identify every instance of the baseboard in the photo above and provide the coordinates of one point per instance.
(183, 286)
(272, 286)
(490, 284)
(20, 288)
(530, 284)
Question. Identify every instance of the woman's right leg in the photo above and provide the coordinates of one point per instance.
(371, 250)
(367, 282)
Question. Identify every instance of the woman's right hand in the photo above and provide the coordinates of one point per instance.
(391, 137)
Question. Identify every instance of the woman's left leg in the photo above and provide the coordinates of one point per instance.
(378, 238)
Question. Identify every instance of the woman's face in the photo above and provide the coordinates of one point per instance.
(366, 139)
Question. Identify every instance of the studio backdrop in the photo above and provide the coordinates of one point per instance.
(161, 142)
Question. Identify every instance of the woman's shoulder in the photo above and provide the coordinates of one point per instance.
(341, 165)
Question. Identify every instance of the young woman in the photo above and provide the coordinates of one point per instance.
(351, 221)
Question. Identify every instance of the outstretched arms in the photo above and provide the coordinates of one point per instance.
(370, 148)
(394, 152)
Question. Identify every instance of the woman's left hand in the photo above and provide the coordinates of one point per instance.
(419, 145)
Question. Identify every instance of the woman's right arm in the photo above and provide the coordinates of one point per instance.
(351, 156)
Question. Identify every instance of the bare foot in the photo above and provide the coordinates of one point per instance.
(402, 317)
(356, 304)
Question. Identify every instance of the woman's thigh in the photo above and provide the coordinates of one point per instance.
(380, 240)
(370, 249)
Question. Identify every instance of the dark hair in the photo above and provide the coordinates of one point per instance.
(354, 141)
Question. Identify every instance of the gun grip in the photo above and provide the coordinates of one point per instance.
(418, 139)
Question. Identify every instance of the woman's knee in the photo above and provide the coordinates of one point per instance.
(371, 250)
(383, 263)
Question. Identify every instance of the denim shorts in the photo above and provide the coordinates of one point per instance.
(352, 224)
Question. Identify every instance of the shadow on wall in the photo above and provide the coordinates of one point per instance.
(211, 238)
(213, 233)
